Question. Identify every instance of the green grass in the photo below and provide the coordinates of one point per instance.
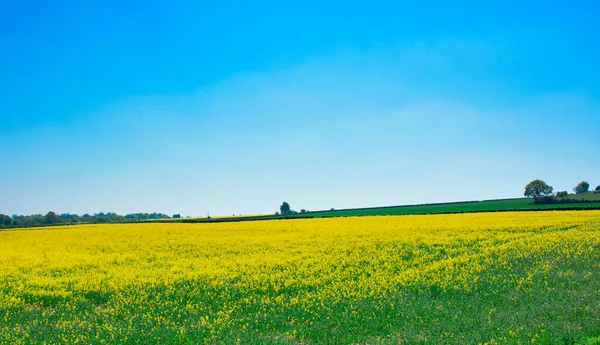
(592, 201)
(585, 201)
(459, 207)
(591, 341)
(587, 196)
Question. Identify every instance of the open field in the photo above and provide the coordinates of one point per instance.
(496, 278)
(585, 201)
(588, 196)
(592, 202)
(458, 207)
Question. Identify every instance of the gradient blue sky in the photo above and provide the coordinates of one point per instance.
(233, 107)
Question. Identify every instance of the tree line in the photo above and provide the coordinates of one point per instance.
(541, 192)
(51, 218)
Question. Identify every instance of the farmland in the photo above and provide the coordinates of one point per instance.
(518, 204)
(495, 278)
(589, 201)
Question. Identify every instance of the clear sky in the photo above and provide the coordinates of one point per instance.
(233, 107)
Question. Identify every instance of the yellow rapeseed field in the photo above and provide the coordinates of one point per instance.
(495, 278)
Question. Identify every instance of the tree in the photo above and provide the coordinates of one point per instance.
(75, 219)
(582, 187)
(5, 220)
(285, 208)
(598, 189)
(562, 194)
(537, 189)
(51, 218)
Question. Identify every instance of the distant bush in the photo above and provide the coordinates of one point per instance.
(51, 218)
(562, 194)
(545, 200)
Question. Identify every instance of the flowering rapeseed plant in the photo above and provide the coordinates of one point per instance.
(465, 278)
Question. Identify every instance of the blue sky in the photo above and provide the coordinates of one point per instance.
(234, 107)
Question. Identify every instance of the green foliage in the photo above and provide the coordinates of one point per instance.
(591, 341)
(598, 189)
(457, 207)
(285, 208)
(582, 187)
(537, 189)
(562, 194)
(145, 216)
(5, 220)
(51, 218)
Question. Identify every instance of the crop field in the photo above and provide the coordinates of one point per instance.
(586, 201)
(460, 207)
(495, 278)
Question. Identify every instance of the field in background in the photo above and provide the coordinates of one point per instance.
(587, 196)
(511, 277)
(458, 207)
(585, 201)
(590, 200)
